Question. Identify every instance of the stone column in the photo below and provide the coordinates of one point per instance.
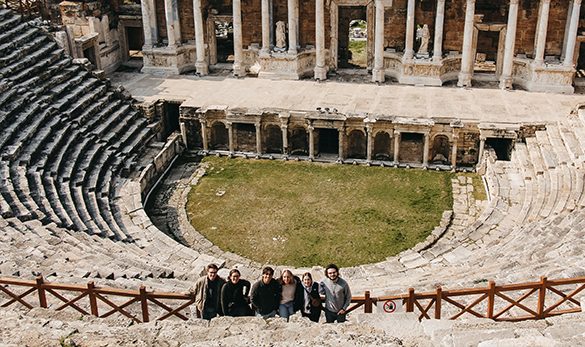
(204, 135)
(426, 146)
(311, 142)
(265, 26)
(239, 70)
(149, 23)
(320, 68)
(481, 149)
(201, 63)
(258, 139)
(340, 142)
(439, 26)
(396, 145)
(454, 151)
(567, 25)
(541, 31)
(409, 41)
(284, 129)
(506, 79)
(572, 34)
(173, 26)
(230, 136)
(292, 27)
(369, 147)
(467, 58)
(183, 128)
(378, 70)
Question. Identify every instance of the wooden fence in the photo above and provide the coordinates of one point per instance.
(513, 302)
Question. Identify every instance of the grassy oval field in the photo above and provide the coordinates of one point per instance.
(305, 214)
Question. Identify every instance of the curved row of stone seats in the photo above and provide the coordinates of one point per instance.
(30, 248)
(43, 162)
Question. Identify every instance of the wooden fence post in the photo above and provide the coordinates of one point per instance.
(410, 302)
(144, 304)
(368, 302)
(541, 297)
(491, 299)
(41, 290)
(92, 299)
(438, 302)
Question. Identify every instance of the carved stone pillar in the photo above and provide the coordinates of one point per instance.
(426, 146)
(149, 23)
(369, 147)
(201, 65)
(567, 25)
(284, 130)
(320, 68)
(506, 79)
(265, 26)
(292, 27)
(396, 145)
(173, 25)
(481, 149)
(183, 128)
(311, 142)
(454, 151)
(409, 41)
(467, 58)
(378, 70)
(572, 34)
(239, 70)
(230, 136)
(258, 139)
(204, 137)
(439, 27)
(341, 142)
(541, 31)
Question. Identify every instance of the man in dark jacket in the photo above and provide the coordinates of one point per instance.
(265, 294)
(207, 293)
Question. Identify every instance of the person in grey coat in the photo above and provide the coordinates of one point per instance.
(337, 295)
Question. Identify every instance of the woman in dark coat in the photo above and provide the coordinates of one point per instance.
(234, 296)
(311, 300)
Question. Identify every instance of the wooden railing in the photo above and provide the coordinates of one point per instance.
(513, 302)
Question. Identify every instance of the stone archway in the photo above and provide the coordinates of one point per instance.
(440, 150)
(298, 141)
(273, 139)
(383, 147)
(357, 145)
(219, 136)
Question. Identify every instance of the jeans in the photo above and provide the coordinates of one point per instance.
(331, 317)
(208, 313)
(270, 314)
(286, 310)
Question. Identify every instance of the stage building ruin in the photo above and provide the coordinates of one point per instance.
(532, 44)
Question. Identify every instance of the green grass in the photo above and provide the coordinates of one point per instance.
(304, 214)
(358, 52)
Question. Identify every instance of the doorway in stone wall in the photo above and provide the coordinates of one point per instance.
(489, 39)
(328, 142)
(220, 38)
(352, 34)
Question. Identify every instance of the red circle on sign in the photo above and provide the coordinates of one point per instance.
(389, 306)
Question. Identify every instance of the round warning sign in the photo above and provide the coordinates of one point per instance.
(389, 306)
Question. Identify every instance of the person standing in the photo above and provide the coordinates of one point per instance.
(290, 299)
(207, 293)
(311, 306)
(337, 295)
(234, 296)
(265, 294)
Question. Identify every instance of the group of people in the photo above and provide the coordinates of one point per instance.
(268, 297)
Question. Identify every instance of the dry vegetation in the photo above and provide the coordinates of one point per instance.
(306, 214)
